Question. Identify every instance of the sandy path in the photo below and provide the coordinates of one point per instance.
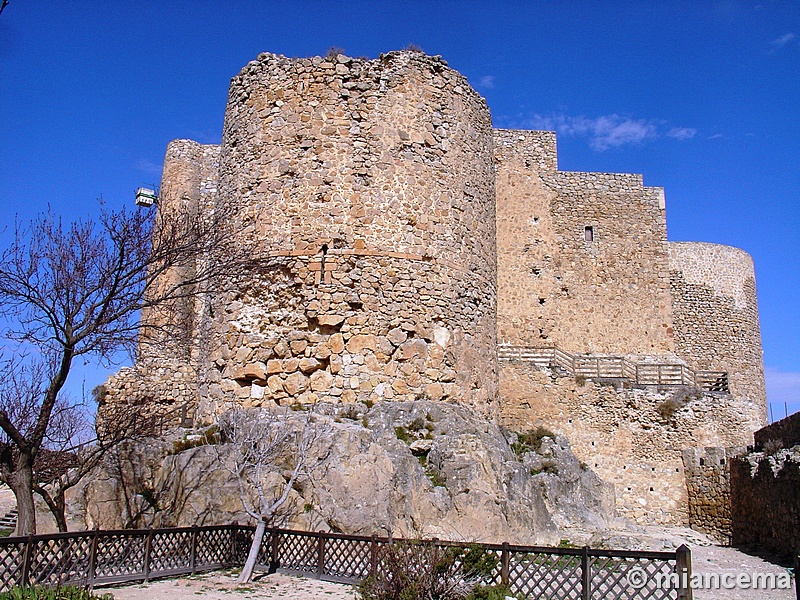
(721, 559)
(222, 586)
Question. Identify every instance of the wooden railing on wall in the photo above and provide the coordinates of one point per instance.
(616, 367)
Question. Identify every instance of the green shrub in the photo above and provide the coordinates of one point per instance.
(436, 478)
(403, 435)
(492, 592)
(531, 440)
(60, 593)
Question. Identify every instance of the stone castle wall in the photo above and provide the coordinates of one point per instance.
(188, 186)
(630, 437)
(369, 185)
(607, 295)
(400, 238)
(716, 318)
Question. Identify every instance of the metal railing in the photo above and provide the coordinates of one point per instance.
(599, 366)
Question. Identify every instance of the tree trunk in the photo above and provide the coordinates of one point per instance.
(258, 537)
(21, 483)
(56, 503)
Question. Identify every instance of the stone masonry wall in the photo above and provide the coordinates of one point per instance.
(629, 437)
(708, 487)
(370, 186)
(608, 295)
(188, 185)
(716, 318)
(786, 431)
(765, 507)
(165, 374)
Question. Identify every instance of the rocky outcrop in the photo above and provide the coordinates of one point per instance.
(402, 468)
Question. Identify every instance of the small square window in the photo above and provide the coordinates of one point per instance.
(588, 233)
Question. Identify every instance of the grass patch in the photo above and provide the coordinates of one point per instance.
(435, 477)
(208, 437)
(531, 441)
(402, 434)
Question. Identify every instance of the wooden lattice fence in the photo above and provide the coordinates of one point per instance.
(96, 558)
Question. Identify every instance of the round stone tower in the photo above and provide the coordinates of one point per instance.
(716, 321)
(368, 187)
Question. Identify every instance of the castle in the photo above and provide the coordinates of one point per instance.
(416, 252)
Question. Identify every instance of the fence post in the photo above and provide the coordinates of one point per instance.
(274, 563)
(234, 539)
(373, 556)
(27, 557)
(93, 558)
(797, 575)
(504, 563)
(586, 575)
(148, 547)
(320, 555)
(194, 549)
(683, 565)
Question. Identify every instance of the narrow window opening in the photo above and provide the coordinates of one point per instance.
(588, 233)
(541, 300)
(324, 251)
(702, 462)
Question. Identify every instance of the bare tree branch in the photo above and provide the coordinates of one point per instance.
(266, 445)
(78, 290)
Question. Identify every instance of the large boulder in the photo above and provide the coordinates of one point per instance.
(410, 469)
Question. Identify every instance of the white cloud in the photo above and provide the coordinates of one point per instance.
(487, 81)
(604, 132)
(716, 136)
(148, 167)
(784, 39)
(682, 133)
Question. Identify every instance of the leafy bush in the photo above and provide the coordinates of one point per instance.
(60, 593)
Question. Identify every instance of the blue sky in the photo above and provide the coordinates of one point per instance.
(702, 98)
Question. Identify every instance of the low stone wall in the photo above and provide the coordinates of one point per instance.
(765, 508)
(708, 489)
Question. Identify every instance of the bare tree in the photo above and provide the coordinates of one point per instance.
(271, 452)
(78, 290)
(64, 463)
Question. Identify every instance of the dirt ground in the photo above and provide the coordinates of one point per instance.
(222, 586)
